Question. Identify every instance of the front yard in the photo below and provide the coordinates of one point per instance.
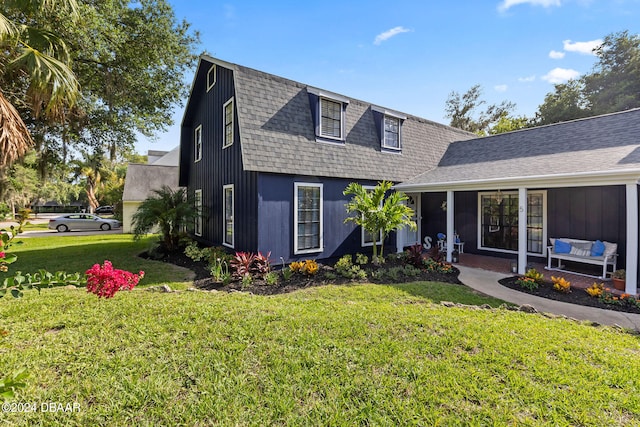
(383, 354)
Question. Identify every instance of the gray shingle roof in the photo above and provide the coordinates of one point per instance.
(608, 143)
(277, 134)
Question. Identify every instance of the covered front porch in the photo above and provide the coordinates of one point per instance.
(490, 217)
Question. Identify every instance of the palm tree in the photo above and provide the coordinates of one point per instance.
(170, 210)
(42, 60)
(377, 215)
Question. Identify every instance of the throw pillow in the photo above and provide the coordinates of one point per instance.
(598, 248)
(562, 247)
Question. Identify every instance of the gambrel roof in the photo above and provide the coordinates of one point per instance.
(603, 148)
(277, 132)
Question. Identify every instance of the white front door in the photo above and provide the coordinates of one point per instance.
(408, 237)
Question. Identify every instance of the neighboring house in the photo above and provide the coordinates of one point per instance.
(142, 179)
(580, 180)
(268, 160)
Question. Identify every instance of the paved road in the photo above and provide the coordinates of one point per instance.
(44, 219)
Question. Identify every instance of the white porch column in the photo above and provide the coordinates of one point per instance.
(631, 286)
(450, 228)
(522, 230)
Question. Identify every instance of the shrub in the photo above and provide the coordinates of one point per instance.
(247, 280)
(414, 255)
(595, 290)
(410, 271)
(241, 264)
(361, 259)
(194, 252)
(260, 265)
(394, 273)
(343, 265)
(534, 274)
(219, 253)
(561, 284)
(105, 281)
(527, 283)
(310, 267)
(287, 272)
(220, 271)
(271, 278)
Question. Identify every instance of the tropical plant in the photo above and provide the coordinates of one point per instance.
(41, 58)
(561, 284)
(595, 290)
(375, 213)
(220, 271)
(535, 275)
(527, 283)
(242, 264)
(170, 210)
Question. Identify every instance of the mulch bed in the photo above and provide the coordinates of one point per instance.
(325, 276)
(576, 296)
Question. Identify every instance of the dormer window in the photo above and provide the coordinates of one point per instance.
(328, 111)
(211, 77)
(330, 119)
(389, 126)
(391, 133)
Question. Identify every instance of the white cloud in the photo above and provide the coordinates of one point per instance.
(527, 79)
(585, 48)
(560, 75)
(389, 33)
(501, 88)
(506, 4)
(554, 54)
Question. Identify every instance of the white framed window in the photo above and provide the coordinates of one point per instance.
(227, 119)
(211, 77)
(197, 144)
(498, 221)
(228, 209)
(307, 218)
(366, 237)
(197, 226)
(391, 137)
(331, 119)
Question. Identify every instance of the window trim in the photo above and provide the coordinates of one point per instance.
(545, 222)
(342, 119)
(213, 70)
(363, 243)
(197, 144)
(233, 214)
(197, 226)
(296, 186)
(225, 143)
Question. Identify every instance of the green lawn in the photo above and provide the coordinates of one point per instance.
(334, 355)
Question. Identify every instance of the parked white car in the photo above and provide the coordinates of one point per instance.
(82, 221)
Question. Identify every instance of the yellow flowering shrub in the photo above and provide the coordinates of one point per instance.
(595, 290)
(561, 284)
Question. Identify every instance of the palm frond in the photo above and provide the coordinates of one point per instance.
(7, 28)
(15, 139)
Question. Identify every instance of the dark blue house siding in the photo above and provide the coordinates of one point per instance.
(588, 213)
(218, 166)
(275, 218)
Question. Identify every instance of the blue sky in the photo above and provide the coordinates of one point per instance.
(408, 55)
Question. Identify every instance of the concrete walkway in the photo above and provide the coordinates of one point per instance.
(486, 282)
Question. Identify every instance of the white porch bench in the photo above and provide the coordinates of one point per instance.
(581, 252)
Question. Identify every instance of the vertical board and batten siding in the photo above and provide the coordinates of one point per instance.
(275, 218)
(219, 166)
(588, 213)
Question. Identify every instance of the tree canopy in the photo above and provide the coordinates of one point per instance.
(465, 113)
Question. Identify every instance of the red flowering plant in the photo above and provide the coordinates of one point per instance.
(105, 281)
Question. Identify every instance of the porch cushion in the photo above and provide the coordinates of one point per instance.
(610, 248)
(562, 247)
(575, 250)
(598, 248)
